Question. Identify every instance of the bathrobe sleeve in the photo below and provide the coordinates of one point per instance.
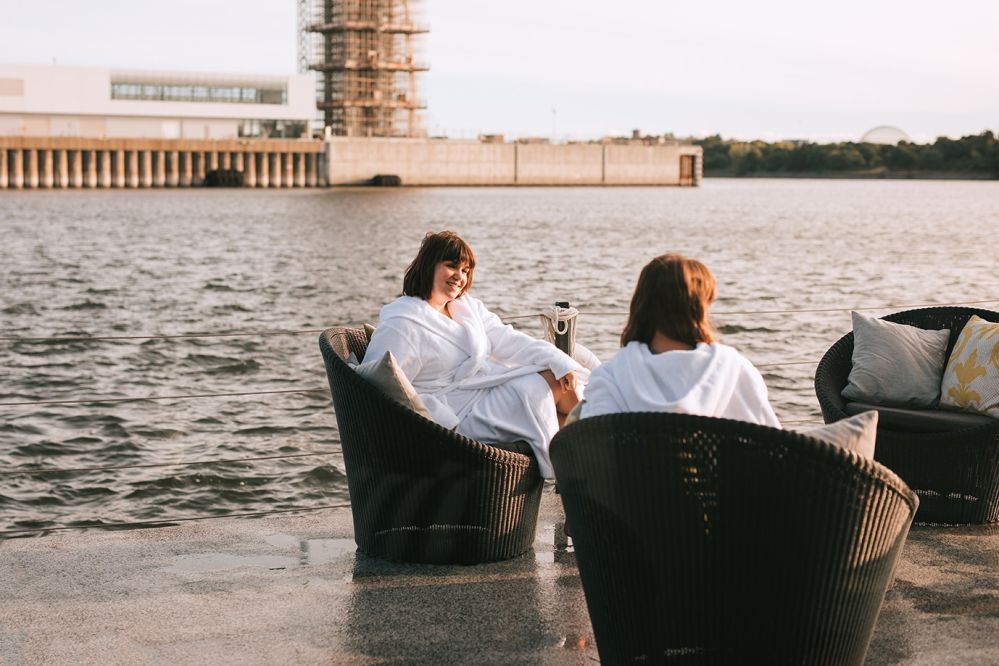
(764, 411)
(602, 394)
(388, 337)
(515, 348)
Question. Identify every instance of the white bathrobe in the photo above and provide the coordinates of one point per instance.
(710, 380)
(474, 373)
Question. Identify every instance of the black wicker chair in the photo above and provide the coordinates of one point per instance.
(708, 540)
(419, 492)
(955, 473)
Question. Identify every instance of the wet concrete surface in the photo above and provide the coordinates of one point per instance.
(293, 589)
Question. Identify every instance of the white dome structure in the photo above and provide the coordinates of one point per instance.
(885, 134)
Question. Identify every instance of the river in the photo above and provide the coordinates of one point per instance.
(171, 262)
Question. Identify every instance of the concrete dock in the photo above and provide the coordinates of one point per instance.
(29, 162)
(292, 589)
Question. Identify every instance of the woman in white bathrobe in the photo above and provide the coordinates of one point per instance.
(669, 360)
(474, 374)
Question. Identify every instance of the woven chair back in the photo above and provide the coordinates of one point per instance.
(955, 474)
(419, 492)
(717, 541)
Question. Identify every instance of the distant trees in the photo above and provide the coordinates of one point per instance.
(976, 155)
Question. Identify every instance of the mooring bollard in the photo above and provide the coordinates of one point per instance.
(563, 340)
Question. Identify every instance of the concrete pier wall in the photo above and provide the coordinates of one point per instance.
(452, 162)
(418, 162)
(70, 162)
(540, 164)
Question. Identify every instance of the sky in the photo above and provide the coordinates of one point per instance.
(818, 70)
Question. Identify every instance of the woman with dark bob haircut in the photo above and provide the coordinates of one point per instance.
(669, 360)
(474, 374)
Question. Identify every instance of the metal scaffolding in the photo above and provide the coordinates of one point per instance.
(365, 56)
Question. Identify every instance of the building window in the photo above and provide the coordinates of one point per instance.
(198, 93)
(274, 129)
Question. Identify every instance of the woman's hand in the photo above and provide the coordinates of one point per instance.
(568, 382)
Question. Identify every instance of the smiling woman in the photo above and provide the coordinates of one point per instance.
(475, 374)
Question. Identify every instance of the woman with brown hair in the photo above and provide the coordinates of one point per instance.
(669, 360)
(473, 373)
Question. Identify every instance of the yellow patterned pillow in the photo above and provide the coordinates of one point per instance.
(971, 380)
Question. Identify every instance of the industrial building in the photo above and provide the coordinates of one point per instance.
(64, 127)
(90, 102)
(70, 127)
(367, 56)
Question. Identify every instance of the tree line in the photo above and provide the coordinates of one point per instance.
(970, 156)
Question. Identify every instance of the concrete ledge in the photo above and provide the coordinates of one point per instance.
(219, 145)
(293, 589)
(451, 162)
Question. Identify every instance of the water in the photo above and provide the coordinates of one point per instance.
(156, 262)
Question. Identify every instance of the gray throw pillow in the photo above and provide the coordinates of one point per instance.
(857, 433)
(574, 415)
(895, 364)
(386, 374)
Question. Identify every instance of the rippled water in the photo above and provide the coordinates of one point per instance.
(168, 262)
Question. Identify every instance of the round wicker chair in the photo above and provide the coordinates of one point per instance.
(955, 473)
(708, 540)
(419, 492)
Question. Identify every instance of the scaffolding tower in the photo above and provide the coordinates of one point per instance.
(365, 56)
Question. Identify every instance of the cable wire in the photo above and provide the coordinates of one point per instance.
(222, 461)
(805, 311)
(30, 403)
(86, 338)
(166, 522)
(774, 365)
(99, 400)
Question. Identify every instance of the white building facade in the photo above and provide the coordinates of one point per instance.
(87, 102)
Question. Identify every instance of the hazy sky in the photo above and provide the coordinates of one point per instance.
(816, 69)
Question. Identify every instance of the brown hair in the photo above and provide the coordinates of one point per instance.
(435, 248)
(672, 296)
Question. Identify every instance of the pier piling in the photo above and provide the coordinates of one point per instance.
(17, 175)
(62, 169)
(47, 177)
(186, 168)
(77, 169)
(32, 176)
(263, 180)
(147, 168)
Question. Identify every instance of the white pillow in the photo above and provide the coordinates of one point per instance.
(857, 433)
(895, 364)
(584, 357)
(385, 374)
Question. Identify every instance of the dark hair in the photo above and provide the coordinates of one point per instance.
(435, 248)
(672, 296)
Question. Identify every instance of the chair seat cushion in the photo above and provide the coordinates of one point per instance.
(920, 420)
